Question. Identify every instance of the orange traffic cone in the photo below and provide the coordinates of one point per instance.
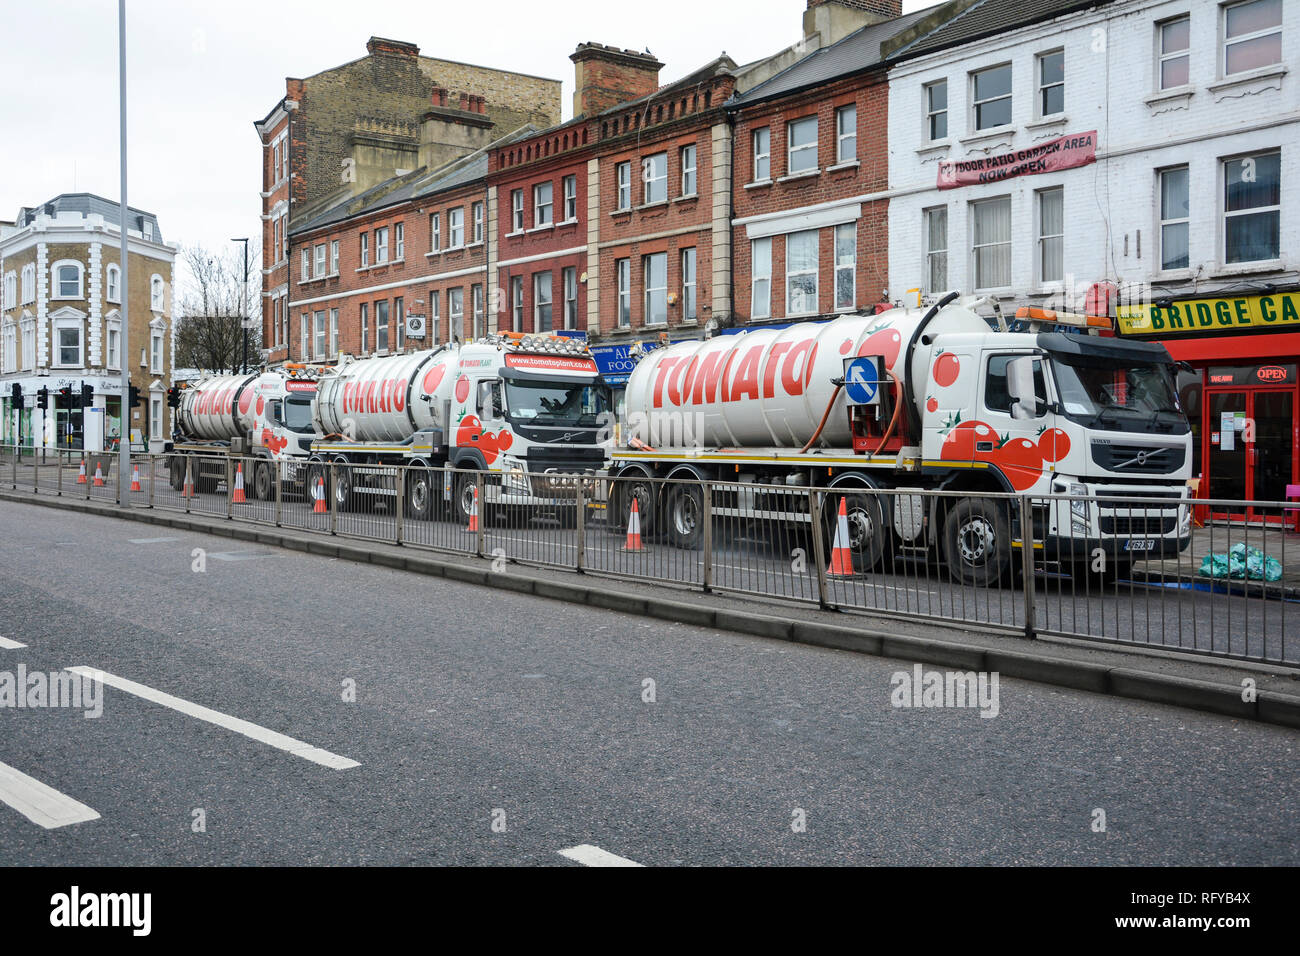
(841, 556)
(81, 474)
(99, 477)
(473, 512)
(237, 495)
(634, 528)
(318, 493)
(188, 490)
(135, 479)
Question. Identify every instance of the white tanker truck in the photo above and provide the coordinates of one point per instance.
(265, 416)
(959, 407)
(530, 407)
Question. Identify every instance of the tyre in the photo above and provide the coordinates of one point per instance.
(176, 472)
(317, 474)
(263, 481)
(466, 482)
(684, 517)
(419, 494)
(977, 542)
(344, 498)
(867, 532)
(619, 506)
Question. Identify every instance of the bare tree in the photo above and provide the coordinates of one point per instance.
(216, 307)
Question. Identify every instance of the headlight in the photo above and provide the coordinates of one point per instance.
(1082, 509)
(514, 475)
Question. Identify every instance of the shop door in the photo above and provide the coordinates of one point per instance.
(1251, 451)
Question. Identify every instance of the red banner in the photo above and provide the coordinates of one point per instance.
(1064, 152)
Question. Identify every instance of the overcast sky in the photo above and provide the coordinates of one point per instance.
(200, 73)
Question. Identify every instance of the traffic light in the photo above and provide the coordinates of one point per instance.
(174, 397)
(17, 397)
(133, 398)
(65, 396)
(43, 398)
(87, 395)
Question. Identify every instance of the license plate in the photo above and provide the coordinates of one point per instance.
(1140, 544)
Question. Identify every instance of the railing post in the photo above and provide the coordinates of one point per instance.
(14, 466)
(819, 547)
(706, 516)
(279, 489)
(1027, 561)
(230, 488)
(188, 482)
(399, 495)
(59, 461)
(153, 476)
(580, 522)
(36, 474)
(332, 491)
(90, 474)
(480, 544)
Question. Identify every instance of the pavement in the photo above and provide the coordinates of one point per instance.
(1281, 544)
(494, 726)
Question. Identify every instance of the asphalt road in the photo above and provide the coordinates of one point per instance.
(476, 707)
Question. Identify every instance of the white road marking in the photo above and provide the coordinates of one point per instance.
(8, 645)
(150, 540)
(250, 730)
(238, 555)
(589, 855)
(39, 803)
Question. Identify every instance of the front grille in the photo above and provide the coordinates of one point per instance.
(1137, 459)
(1136, 520)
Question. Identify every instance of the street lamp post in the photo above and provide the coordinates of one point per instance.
(243, 311)
(124, 436)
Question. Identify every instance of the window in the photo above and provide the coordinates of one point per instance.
(29, 343)
(570, 279)
(991, 242)
(67, 344)
(936, 249)
(305, 334)
(113, 282)
(1051, 235)
(761, 275)
(381, 245)
(542, 302)
(936, 110)
(435, 317)
(1051, 83)
(284, 238)
(319, 270)
(284, 161)
(8, 347)
(1252, 207)
(147, 228)
(399, 241)
(155, 418)
(801, 273)
(517, 303)
(570, 198)
(399, 322)
(846, 266)
(318, 351)
(435, 232)
(29, 283)
(623, 178)
(1175, 211)
(1252, 35)
(157, 293)
(334, 333)
(334, 257)
(654, 172)
(365, 250)
(656, 288)
(517, 210)
(542, 204)
(802, 145)
(762, 154)
(113, 350)
(67, 280)
(381, 325)
(456, 311)
(155, 351)
(11, 290)
(846, 134)
(456, 228)
(623, 272)
(991, 95)
(688, 170)
(477, 296)
(1175, 38)
(478, 221)
(689, 311)
(365, 329)
(305, 263)
(997, 385)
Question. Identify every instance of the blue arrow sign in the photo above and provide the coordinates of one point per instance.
(861, 381)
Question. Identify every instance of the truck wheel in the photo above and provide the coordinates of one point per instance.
(263, 481)
(977, 542)
(619, 506)
(466, 482)
(343, 496)
(316, 473)
(685, 517)
(866, 527)
(419, 494)
(176, 472)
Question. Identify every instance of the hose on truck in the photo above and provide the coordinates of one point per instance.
(839, 384)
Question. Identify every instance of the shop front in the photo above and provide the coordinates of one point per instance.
(1240, 387)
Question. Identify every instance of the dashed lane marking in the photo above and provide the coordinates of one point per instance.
(41, 804)
(8, 645)
(589, 855)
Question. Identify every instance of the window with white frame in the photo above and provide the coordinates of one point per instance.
(320, 261)
(381, 245)
(1252, 35)
(399, 321)
(365, 250)
(801, 273)
(623, 181)
(456, 311)
(157, 293)
(570, 198)
(654, 173)
(456, 227)
(477, 300)
(381, 325)
(29, 342)
(478, 221)
(623, 276)
(155, 417)
(935, 229)
(689, 309)
(688, 170)
(9, 346)
(1252, 207)
(1173, 50)
(517, 303)
(435, 316)
(399, 241)
(305, 263)
(435, 232)
(304, 337)
(517, 210)
(334, 333)
(29, 282)
(1051, 235)
(991, 97)
(1051, 83)
(801, 145)
(1175, 217)
(10, 297)
(148, 230)
(542, 302)
(67, 277)
(318, 337)
(67, 343)
(656, 288)
(936, 110)
(569, 276)
(284, 237)
(846, 134)
(155, 351)
(543, 204)
(334, 257)
(762, 154)
(760, 257)
(991, 242)
(365, 328)
(113, 344)
(846, 266)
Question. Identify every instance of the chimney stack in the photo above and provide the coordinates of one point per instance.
(391, 47)
(605, 76)
(833, 20)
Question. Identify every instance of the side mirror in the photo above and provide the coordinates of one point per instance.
(1020, 386)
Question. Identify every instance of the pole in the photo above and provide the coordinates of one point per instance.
(124, 439)
(243, 308)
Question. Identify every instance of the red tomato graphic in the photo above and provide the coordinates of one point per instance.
(845, 346)
(946, 368)
(470, 434)
(433, 378)
(245, 402)
(261, 405)
(462, 390)
(886, 342)
(1020, 461)
(504, 439)
(1053, 444)
(959, 444)
(931, 404)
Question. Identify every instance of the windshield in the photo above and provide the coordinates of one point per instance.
(1122, 397)
(564, 404)
(297, 414)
